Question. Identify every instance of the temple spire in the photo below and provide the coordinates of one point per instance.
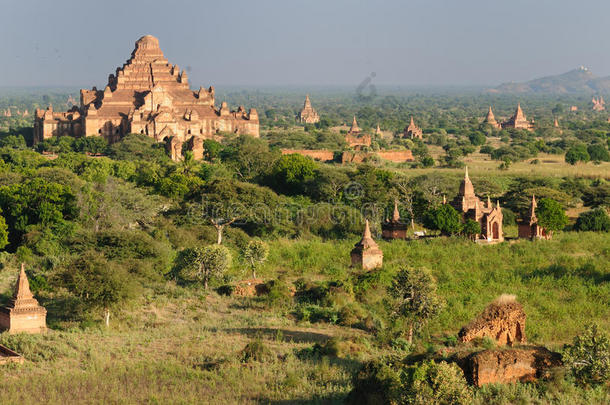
(354, 127)
(533, 206)
(396, 214)
(22, 290)
(367, 230)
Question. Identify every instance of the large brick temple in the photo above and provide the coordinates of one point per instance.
(148, 95)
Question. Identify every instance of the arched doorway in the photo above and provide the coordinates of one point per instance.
(495, 233)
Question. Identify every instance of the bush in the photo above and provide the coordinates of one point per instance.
(595, 220)
(256, 350)
(278, 294)
(588, 357)
(386, 382)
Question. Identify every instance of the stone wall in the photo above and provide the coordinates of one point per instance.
(396, 156)
(323, 155)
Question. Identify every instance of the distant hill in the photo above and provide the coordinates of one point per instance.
(580, 80)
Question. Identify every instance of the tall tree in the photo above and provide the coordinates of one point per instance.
(414, 298)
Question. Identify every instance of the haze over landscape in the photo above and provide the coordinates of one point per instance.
(322, 202)
(445, 42)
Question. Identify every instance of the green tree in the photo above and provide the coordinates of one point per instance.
(427, 161)
(291, 173)
(577, 153)
(249, 157)
(471, 228)
(99, 283)
(443, 218)
(594, 220)
(211, 149)
(3, 232)
(414, 298)
(588, 357)
(551, 215)
(202, 263)
(598, 153)
(255, 253)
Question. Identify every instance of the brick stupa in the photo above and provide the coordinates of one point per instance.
(366, 253)
(23, 313)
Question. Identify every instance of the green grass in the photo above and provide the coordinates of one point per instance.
(179, 345)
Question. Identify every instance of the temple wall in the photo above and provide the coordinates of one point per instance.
(317, 154)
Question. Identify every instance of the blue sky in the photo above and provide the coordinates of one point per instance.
(316, 42)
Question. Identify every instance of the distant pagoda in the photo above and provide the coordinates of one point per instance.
(413, 131)
(518, 120)
(308, 115)
(491, 120)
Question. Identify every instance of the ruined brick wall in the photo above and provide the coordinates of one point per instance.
(396, 155)
(323, 155)
(509, 366)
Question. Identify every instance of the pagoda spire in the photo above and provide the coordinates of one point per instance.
(396, 214)
(533, 206)
(367, 240)
(354, 127)
(22, 290)
(367, 230)
(307, 101)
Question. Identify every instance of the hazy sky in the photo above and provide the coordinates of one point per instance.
(316, 42)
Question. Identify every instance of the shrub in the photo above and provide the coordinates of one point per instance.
(594, 220)
(278, 293)
(439, 383)
(387, 382)
(256, 350)
(588, 357)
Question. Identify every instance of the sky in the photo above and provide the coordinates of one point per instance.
(306, 43)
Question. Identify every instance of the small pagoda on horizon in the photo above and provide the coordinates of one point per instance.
(308, 115)
(413, 131)
(490, 119)
(518, 120)
(23, 313)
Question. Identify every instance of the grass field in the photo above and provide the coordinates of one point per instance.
(549, 166)
(181, 345)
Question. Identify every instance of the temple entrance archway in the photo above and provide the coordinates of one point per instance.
(495, 234)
